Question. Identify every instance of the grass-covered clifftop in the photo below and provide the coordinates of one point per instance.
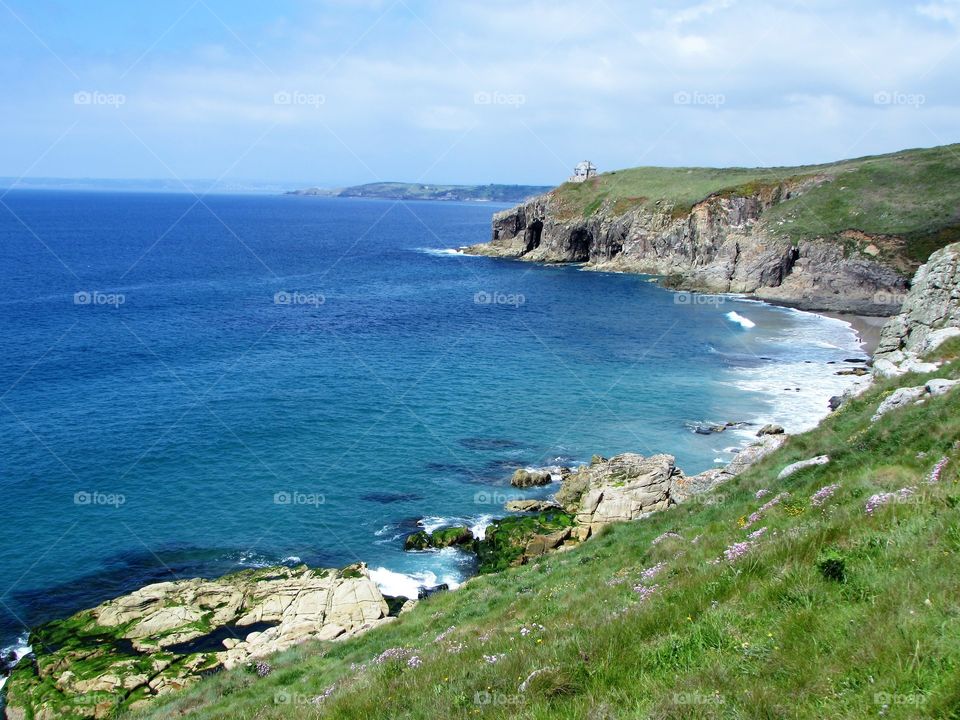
(913, 196)
(778, 599)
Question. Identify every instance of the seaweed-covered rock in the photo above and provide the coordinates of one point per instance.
(444, 537)
(167, 635)
(506, 541)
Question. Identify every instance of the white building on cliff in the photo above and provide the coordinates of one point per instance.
(583, 172)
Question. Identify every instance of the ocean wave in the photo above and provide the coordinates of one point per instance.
(744, 322)
(408, 585)
(442, 252)
(16, 652)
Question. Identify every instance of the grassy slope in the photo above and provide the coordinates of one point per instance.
(913, 193)
(766, 636)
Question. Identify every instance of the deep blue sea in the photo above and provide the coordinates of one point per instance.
(191, 387)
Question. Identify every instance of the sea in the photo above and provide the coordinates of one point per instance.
(192, 385)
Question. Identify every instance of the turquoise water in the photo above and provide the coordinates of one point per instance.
(179, 417)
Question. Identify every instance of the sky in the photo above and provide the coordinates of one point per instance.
(342, 92)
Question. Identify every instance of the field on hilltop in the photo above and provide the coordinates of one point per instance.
(913, 195)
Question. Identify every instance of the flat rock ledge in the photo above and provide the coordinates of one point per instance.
(166, 636)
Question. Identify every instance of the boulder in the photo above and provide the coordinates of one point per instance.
(798, 466)
(525, 477)
(625, 487)
(770, 429)
(940, 386)
(901, 397)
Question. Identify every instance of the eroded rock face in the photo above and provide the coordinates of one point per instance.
(720, 245)
(167, 635)
(929, 317)
(625, 487)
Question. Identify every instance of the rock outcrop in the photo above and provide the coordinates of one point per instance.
(929, 317)
(533, 477)
(906, 396)
(721, 244)
(167, 635)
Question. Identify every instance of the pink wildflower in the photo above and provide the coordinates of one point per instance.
(823, 494)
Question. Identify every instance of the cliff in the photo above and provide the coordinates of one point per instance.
(929, 317)
(841, 237)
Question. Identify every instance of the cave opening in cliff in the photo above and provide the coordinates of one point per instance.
(580, 241)
(531, 236)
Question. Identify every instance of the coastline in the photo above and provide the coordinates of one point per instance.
(866, 331)
(867, 327)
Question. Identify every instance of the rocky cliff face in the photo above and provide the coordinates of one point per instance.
(721, 245)
(929, 317)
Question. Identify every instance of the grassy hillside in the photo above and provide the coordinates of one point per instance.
(913, 194)
(828, 612)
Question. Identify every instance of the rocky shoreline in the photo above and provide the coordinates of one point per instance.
(722, 244)
(166, 636)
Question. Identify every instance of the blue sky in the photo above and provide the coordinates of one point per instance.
(351, 91)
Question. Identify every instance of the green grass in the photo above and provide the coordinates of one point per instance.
(912, 196)
(831, 615)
